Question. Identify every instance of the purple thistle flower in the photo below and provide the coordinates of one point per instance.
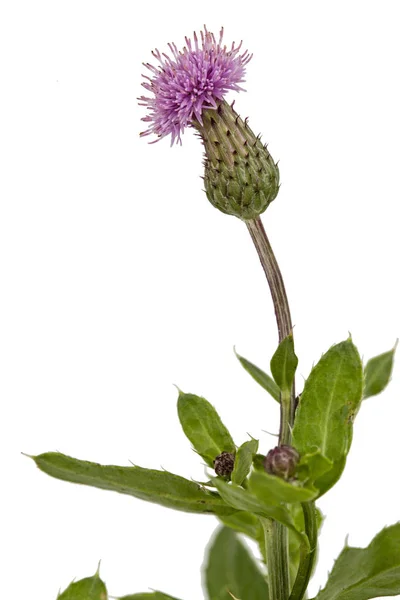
(194, 79)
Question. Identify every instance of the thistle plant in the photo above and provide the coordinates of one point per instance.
(268, 495)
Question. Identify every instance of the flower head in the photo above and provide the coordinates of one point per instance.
(194, 79)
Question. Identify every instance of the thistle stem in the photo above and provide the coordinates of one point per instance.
(276, 535)
(274, 276)
(278, 576)
(282, 311)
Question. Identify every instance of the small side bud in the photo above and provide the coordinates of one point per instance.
(224, 463)
(282, 461)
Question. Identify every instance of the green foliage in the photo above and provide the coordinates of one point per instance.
(159, 487)
(362, 573)
(322, 434)
(313, 466)
(243, 461)
(258, 461)
(324, 418)
(262, 378)
(378, 371)
(90, 588)
(203, 427)
(243, 522)
(248, 524)
(242, 499)
(273, 490)
(230, 569)
(149, 596)
(284, 364)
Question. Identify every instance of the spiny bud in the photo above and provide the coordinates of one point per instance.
(241, 178)
(282, 461)
(224, 463)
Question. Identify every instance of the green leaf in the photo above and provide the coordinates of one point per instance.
(378, 371)
(149, 596)
(273, 490)
(243, 461)
(248, 524)
(262, 378)
(284, 364)
(243, 522)
(328, 479)
(159, 487)
(91, 588)
(242, 499)
(313, 466)
(324, 418)
(204, 428)
(362, 573)
(258, 462)
(230, 569)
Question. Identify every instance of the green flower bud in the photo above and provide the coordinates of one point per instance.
(282, 461)
(241, 178)
(224, 463)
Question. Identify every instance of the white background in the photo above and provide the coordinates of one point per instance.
(119, 279)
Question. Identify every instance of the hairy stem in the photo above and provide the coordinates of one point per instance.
(276, 535)
(278, 576)
(274, 276)
(281, 307)
(285, 433)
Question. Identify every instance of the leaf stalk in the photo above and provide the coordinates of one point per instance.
(307, 555)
